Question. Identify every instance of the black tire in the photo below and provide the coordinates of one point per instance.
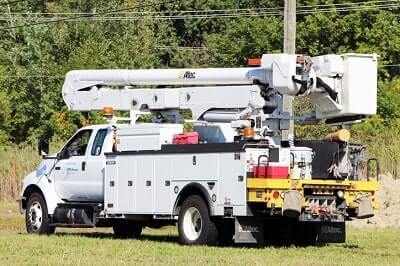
(127, 229)
(36, 216)
(193, 231)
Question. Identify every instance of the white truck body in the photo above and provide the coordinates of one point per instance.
(145, 178)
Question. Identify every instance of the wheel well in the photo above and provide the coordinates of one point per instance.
(28, 192)
(189, 190)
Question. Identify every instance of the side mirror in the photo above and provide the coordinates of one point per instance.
(64, 154)
(43, 147)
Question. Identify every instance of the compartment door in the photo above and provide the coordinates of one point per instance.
(162, 186)
(144, 185)
(126, 184)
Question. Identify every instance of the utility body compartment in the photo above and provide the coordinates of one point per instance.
(145, 136)
(150, 182)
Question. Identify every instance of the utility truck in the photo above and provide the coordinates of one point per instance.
(234, 177)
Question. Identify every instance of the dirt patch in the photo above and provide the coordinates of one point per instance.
(388, 197)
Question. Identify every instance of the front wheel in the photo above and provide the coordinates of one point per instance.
(36, 216)
(194, 224)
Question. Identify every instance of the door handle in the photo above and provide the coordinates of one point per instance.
(58, 168)
(83, 166)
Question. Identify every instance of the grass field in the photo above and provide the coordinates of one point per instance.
(82, 247)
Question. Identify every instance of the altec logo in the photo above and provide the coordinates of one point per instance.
(248, 229)
(187, 75)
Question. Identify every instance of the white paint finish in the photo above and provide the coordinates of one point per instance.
(353, 76)
(70, 182)
(82, 89)
(94, 177)
(45, 185)
(301, 156)
(219, 168)
(360, 84)
(279, 71)
(127, 194)
(205, 167)
(328, 65)
(215, 132)
(143, 192)
(77, 79)
(111, 191)
(95, 167)
(356, 87)
(146, 136)
(163, 194)
(231, 191)
(75, 184)
(197, 99)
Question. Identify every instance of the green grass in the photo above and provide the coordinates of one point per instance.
(74, 247)
(25, 159)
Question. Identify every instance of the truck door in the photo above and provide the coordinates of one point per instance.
(69, 172)
(95, 163)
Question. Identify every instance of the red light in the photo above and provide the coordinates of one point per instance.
(254, 61)
(275, 194)
(299, 59)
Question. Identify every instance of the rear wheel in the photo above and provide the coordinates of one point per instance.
(127, 229)
(36, 216)
(194, 224)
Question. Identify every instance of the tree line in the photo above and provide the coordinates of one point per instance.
(42, 40)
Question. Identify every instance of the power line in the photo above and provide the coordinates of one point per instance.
(13, 2)
(89, 15)
(217, 10)
(305, 8)
(168, 47)
(199, 15)
(355, 8)
(348, 4)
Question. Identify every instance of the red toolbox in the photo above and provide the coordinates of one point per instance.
(186, 138)
(277, 172)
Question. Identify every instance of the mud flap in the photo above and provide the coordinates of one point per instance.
(365, 209)
(292, 204)
(331, 233)
(249, 231)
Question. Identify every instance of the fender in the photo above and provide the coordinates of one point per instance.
(193, 189)
(40, 180)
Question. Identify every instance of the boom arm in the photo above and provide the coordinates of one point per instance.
(334, 83)
(197, 99)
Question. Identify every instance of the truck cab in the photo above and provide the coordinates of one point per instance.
(79, 172)
(74, 174)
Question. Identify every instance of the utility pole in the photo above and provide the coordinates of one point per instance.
(289, 47)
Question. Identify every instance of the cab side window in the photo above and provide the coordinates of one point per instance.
(77, 145)
(98, 142)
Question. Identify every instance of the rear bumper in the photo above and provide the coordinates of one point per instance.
(270, 192)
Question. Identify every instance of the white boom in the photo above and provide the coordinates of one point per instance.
(334, 83)
(221, 88)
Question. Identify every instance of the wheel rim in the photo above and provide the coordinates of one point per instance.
(192, 223)
(35, 216)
